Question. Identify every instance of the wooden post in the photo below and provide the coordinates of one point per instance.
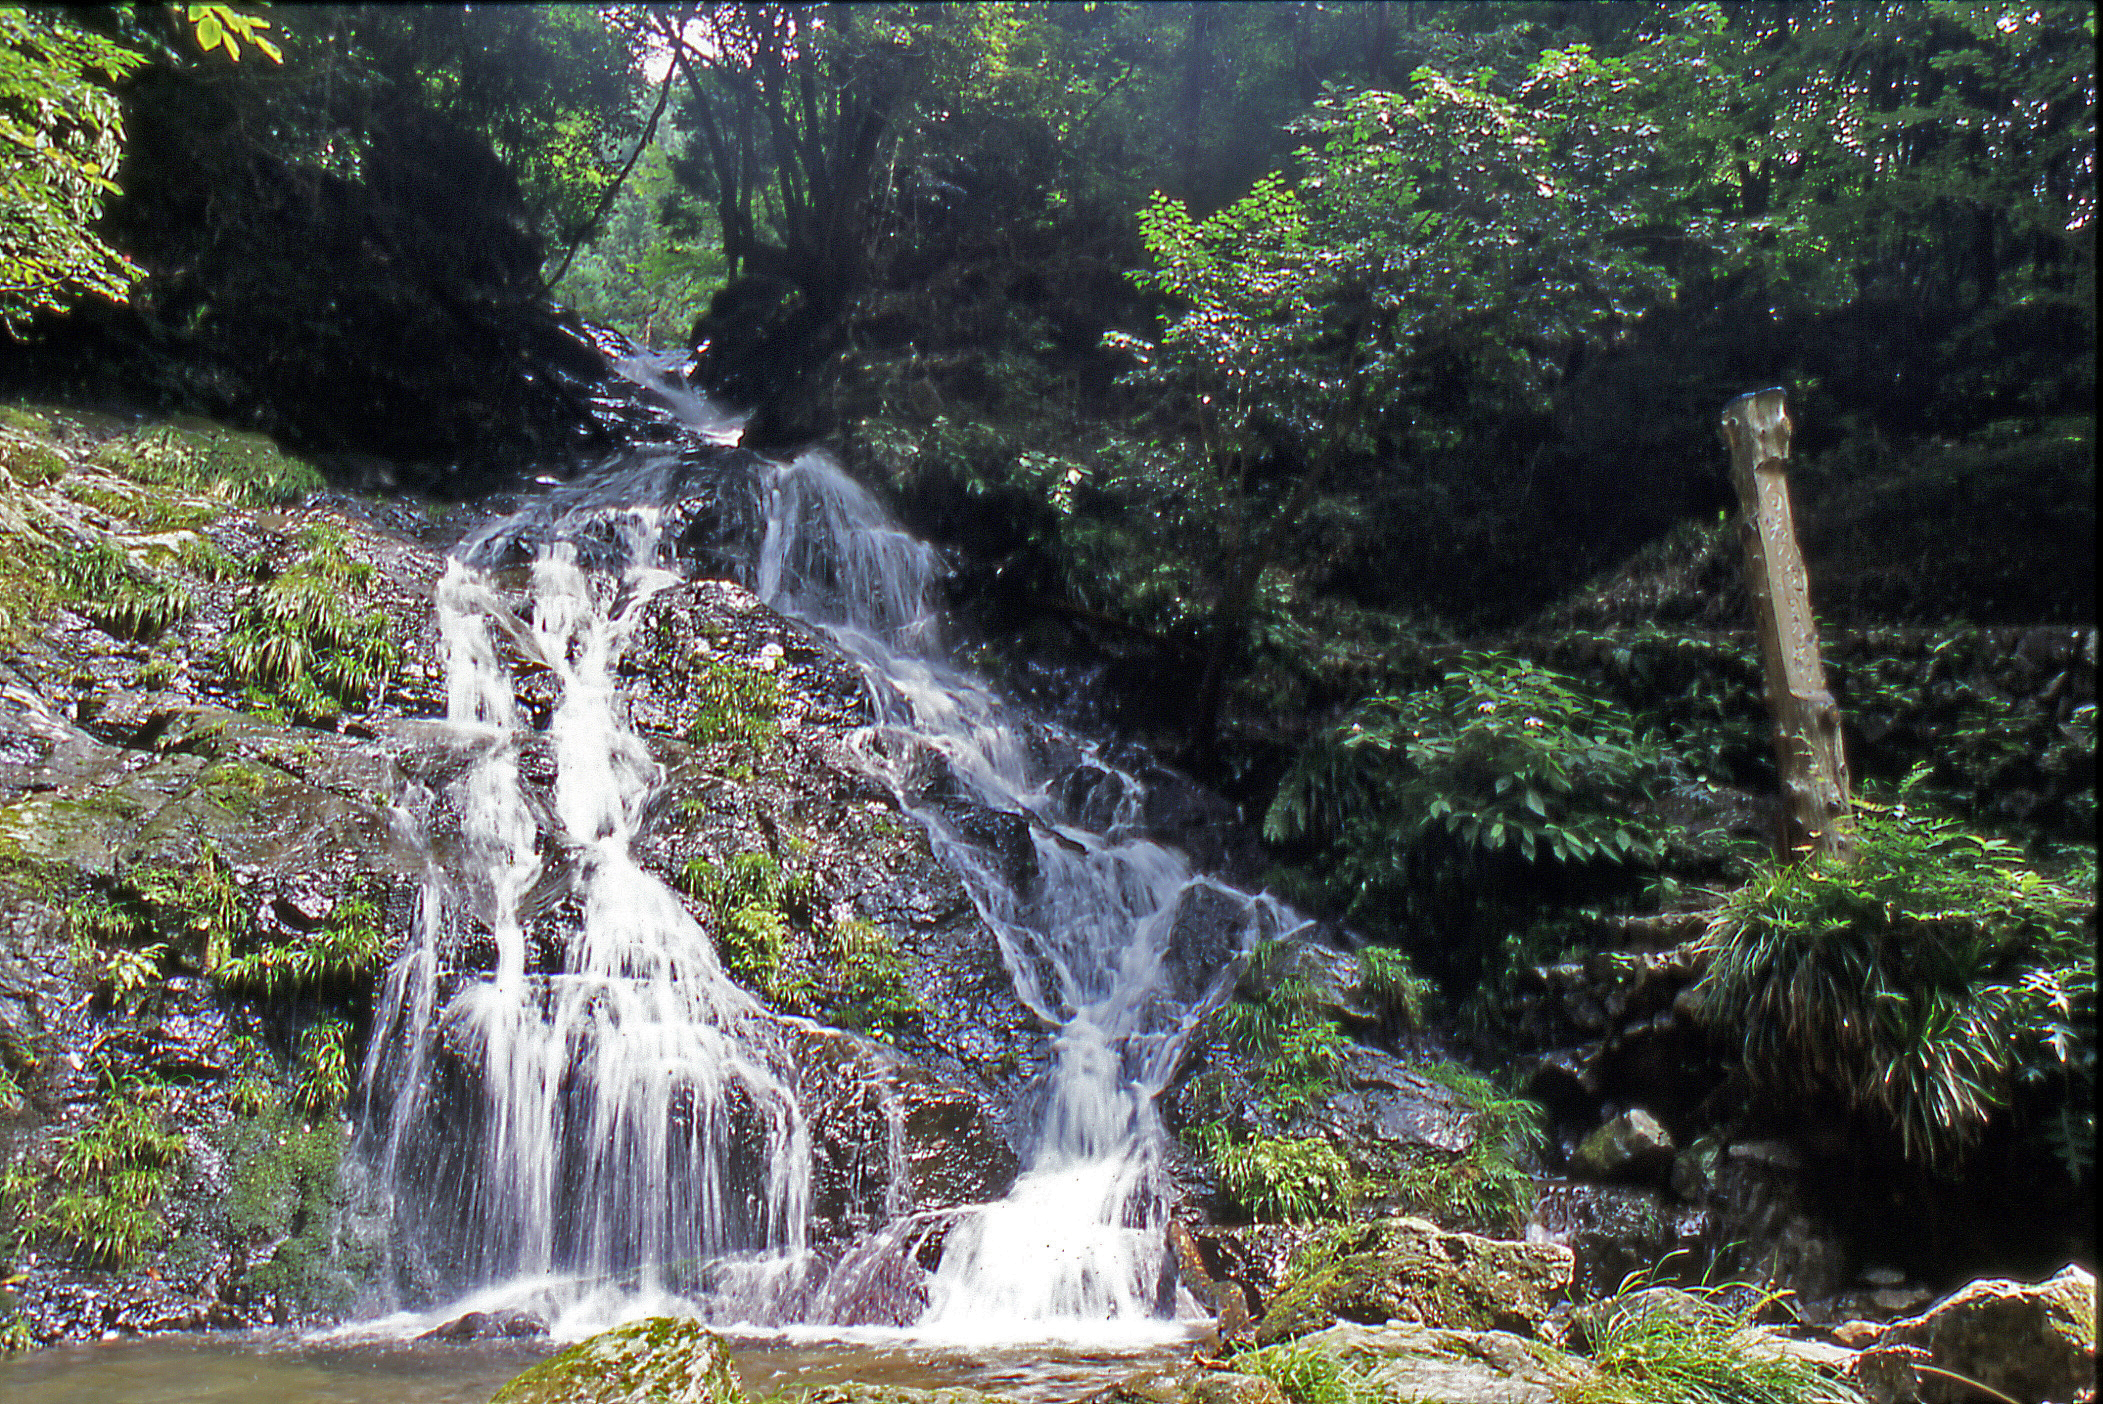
(1807, 750)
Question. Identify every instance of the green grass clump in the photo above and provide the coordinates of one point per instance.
(1297, 1051)
(750, 901)
(299, 645)
(1387, 975)
(1488, 1187)
(1649, 1347)
(865, 988)
(847, 972)
(1280, 1179)
(131, 601)
(244, 470)
(734, 703)
(1917, 985)
(96, 1195)
(344, 953)
(1306, 1374)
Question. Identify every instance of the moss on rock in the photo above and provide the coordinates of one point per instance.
(1411, 1270)
(660, 1360)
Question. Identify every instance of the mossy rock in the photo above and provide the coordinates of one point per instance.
(854, 1392)
(659, 1360)
(1411, 1270)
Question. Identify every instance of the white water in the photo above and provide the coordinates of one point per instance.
(1080, 1240)
(630, 1135)
(625, 1137)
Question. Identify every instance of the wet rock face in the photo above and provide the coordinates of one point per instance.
(661, 1360)
(1411, 1270)
(1613, 1231)
(121, 758)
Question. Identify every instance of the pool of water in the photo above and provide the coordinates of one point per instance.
(273, 1368)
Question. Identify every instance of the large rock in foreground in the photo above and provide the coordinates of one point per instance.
(1411, 1270)
(2028, 1341)
(661, 1360)
(1453, 1367)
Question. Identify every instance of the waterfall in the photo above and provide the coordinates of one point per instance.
(618, 1129)
(1080, 1241)
(598, 1122)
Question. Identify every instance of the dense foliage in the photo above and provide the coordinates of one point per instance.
(1920, 986)
(63, 135)
(1453, 798)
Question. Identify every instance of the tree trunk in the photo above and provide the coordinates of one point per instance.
(1807, 750)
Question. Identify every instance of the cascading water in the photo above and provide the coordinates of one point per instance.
(606, 1124)
(1080, 1240)
(624, 1126)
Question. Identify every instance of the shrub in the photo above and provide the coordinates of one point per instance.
(1673, 1347)
(1417, 799)
(750, 902)
(866, 986)
(1917, 984)
(1279, 1179)
(1487, 1187)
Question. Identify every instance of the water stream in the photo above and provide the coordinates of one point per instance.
(607, 1126)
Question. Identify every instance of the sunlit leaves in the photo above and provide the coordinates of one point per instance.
(60, 139)
(223, 27)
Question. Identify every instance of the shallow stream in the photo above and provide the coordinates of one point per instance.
(283, 1368)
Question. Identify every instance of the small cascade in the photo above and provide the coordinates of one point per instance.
(1091, 938)
(608, 1118)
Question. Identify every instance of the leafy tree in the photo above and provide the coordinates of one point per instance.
(64, 135)
(1433, 810)
(1436, 258)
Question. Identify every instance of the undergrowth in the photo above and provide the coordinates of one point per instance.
(298, 644)
(1691, 1347)
(1919, 985)
(95, 1193)
(1429, 813)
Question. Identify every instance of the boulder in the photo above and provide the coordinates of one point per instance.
(2031, 1342)
(489, 1326)
(1633, 1146)
(1402, 1361)
(1255, 1257)
(1411, 1270)
(1190, 1384)
(1228, 1300)
(659, 1360)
